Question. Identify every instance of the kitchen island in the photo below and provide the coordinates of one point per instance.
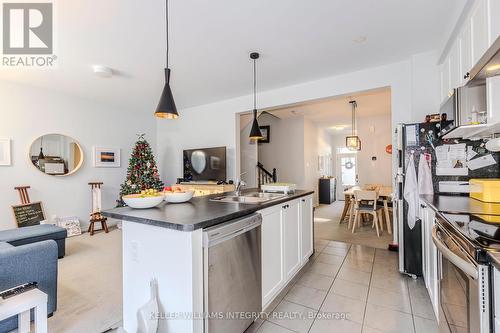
(166, 243)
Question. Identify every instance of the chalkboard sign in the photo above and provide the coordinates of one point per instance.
(28, 214)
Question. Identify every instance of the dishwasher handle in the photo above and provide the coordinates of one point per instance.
(462, 264)
(221, 233)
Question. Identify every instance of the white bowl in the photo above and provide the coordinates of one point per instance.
(178, 197)
(143, 203)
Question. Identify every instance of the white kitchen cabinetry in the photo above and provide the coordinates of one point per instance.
(292, 241)
(287, 242)
(455, 70)
(273, 277)
(466, 52)
(429, 255)
(479, 26)
(445, 80)
(306, 211)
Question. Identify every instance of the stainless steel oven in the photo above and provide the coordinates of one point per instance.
(464, 282)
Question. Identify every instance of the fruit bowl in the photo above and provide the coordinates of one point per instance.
(178, 197)
(142, 202)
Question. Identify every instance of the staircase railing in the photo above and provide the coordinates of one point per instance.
(264, 176)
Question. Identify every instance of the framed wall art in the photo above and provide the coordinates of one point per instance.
(106, 157)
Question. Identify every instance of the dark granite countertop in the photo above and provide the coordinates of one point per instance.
(460, 205)
(197, 213)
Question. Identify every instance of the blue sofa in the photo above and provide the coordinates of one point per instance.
(36, 233)
(28, 263)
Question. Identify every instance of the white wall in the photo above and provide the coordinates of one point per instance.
(216, 124)
(375, 135)
(248, 152)
(27, 113)
(285, 151)
(311, 153)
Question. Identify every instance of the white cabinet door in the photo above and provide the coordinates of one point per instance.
(272, 254)
(422, 211)
(494, 19)
(291, 235)
(455, 68)
(466, 51)
(445, 80)
(480, 35)
(306, 212)
(432, 259)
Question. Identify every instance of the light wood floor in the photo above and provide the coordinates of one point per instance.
(327, 226)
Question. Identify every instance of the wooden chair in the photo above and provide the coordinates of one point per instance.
(347, 205)
(366, 203)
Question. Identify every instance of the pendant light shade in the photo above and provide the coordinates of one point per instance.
(255, 133)
(41, 156)
(166, 108)
(352, 142)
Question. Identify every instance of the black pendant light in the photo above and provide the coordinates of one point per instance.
(166, 107)
(353, 142)
(255, 133)
(41, 156)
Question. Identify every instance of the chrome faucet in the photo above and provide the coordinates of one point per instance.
(239, 184)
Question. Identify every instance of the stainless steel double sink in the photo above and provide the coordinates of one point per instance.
(249, 198)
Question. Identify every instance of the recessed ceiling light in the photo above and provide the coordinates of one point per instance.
(102, 71)
(360, 39)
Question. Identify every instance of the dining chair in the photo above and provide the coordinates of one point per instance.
(365, 202)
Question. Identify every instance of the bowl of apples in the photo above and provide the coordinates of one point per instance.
(176, 194)
(148, 198)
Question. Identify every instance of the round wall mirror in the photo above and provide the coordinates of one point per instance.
(56, 154)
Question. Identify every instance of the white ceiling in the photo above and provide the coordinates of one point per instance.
(210, 41)
(334, 114)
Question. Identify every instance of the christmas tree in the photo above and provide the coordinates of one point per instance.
(142, 172)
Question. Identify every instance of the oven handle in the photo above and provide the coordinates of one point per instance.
(462, 264)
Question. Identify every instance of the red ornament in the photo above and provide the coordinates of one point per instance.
(388, 149)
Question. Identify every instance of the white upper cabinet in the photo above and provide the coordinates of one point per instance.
(494, 15)
(480, 31)
(466, 51)
(445, 80)
(455, 70)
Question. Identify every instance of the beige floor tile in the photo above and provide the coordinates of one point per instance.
(268, 327)
(330, 259)
(336, 251)
(423, 325)
(334, 325)
(422, 307)
(388, 320)
(293, 316)
(354, 275)
(356, 255)
(318, 281)
(324, 269)
(367, 329)
(341, 245)
(352, 309)
(309, 297)
(389, 282)
(350, 289)
(255, 326)
(360, 265)
(389, 299)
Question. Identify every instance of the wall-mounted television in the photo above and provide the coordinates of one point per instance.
(205, 164)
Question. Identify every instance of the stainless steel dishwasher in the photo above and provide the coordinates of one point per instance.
(232, 275)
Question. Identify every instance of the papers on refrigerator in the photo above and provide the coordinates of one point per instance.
(451, 160)
(411, 135)
(481, 162)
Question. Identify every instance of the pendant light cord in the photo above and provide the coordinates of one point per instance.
(166, 23)
(254, 85)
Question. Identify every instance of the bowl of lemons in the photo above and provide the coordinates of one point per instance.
(146, 199)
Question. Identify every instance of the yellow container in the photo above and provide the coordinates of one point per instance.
(486, 190)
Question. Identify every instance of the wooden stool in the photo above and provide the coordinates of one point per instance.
(96, 215)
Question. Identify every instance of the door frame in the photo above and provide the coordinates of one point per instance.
(338, 171)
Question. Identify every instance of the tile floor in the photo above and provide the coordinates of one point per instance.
(350, 288)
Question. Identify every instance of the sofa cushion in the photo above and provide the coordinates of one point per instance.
(32, 234)
(4, 245)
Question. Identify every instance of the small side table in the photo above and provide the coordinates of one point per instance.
(21, 305)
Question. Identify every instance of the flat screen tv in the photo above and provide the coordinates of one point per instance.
(205, 164)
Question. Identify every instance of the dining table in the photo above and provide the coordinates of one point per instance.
(385, 193)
